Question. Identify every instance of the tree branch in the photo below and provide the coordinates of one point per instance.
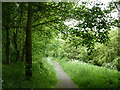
(56, 20)
(56, 28)
(116, 6)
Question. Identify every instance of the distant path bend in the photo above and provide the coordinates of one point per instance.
(64, 80)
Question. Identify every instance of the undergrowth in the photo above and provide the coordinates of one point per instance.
(43, 75)
(90, 76)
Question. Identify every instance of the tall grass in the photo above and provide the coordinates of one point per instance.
(90, 76)
(43, 76)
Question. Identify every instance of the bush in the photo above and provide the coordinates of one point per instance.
(106, 55)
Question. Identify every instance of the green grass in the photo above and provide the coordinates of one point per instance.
(43, 77)
(90, 76)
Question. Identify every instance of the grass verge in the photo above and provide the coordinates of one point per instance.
(90, 76)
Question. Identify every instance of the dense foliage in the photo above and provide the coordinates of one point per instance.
(35, 32)
(103, 55)
(43, 76)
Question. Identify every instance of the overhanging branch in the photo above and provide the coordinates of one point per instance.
(56, 20)
(116, 6)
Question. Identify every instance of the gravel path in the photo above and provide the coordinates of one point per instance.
(64, 80)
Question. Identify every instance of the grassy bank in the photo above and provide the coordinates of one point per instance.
(43, 75)
(90, 76)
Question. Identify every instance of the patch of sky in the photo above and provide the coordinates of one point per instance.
(71, 23)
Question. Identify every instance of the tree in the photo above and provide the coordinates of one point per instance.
(94, 24)
(28, 68)
(118, 52)
(7, 20)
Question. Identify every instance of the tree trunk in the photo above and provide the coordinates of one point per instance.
(28, 72)
(7, 46)
(16, 46)
(118, 52)
(16, 33)
(23, 52)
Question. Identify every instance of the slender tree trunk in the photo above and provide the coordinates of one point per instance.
(16, 43)
(16, 46)
(23, 51)
(28, 72)
(7, 46)
(118, 52)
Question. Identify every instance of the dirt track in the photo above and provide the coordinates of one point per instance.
(64, 80)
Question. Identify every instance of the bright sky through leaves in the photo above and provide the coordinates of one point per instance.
(71, 23)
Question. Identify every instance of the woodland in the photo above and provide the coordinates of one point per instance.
(83, 37)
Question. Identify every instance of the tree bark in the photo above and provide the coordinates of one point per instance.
(16, 43)
(7, 46)
(16, 46)
(23, 51)
(28, 72)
